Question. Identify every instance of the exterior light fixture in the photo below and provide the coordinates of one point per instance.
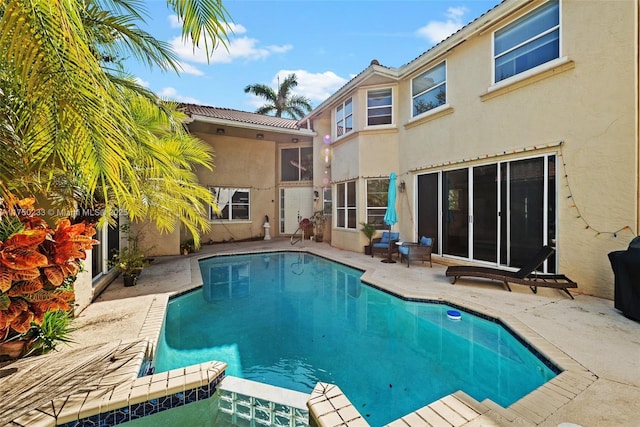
(295, 140)
(220, 131)
(260, 135)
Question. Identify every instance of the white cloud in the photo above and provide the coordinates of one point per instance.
(173, 95)
(141, 82)
(436, 31)
(239, 48)
(236, 28)
(190, 69)
(315, 86)
(174, 21)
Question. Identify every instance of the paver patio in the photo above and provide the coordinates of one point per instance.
(588, 329)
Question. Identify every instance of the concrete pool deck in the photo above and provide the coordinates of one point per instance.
(589, 330)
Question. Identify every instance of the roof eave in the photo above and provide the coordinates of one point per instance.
(371, 70)
(253, 126)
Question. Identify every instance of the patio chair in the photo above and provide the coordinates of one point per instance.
(385, 243)
(416, 251)
(527, 275)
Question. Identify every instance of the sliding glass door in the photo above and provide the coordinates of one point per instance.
(485, 219)
(455, 218)
(501, 213)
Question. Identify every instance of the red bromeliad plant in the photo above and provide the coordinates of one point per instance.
(38, 265)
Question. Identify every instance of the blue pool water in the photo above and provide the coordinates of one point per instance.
(293, 319)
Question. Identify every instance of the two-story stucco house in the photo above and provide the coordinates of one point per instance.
(519, 130)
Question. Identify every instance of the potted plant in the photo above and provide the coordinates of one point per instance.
(369, 230)
(318, 220)
(187, 247)
(129, 260)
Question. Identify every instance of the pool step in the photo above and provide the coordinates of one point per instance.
(250, 403)
(457, 409)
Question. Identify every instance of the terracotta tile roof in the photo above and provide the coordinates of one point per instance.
(239, 116)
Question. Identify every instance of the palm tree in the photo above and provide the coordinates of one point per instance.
(296, 106)
(72, 121)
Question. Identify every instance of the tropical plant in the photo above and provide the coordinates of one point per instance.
(38, 265)
(282, 101)
(70, 122)
(45, 337)
(369, 230)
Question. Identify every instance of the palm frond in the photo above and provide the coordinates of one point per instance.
(118, 36)
(203, 21)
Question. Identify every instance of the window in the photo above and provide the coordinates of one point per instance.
(377, 190)
(379, 107)
(346, 205)
(326, 201)
(233, 203)
(344, 118)
(296, 164)
(528, 42)
(429, 89)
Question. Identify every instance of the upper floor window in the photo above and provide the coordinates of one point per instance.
(233, 203)
(346, 205)
(377, 190)
(528, 42)
(379, 107)
(296, 164)
(429, 89)
(344, 118)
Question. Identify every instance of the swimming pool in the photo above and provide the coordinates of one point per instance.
(293, 319)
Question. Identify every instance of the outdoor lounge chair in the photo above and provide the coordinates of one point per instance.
(420, 251)
(385, 243)
(527, 275)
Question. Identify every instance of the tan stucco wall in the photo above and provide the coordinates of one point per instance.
(243, 163)
(83, 287)
(153, 241)
(588, 101)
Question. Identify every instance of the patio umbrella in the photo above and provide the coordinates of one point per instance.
(391, 217)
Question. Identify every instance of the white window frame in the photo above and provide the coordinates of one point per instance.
(341, 117)
(435, 87)
(222, 203)
(343, 209)
(383, 208)
(371, 109)
(520, 22)
(327, 201)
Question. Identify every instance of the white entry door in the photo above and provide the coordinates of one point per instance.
(295, 203)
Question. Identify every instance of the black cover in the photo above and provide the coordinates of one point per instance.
(626, 269)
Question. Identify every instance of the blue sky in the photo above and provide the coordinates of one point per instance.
(325, 43)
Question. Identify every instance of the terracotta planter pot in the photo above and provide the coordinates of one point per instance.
(11, 350)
